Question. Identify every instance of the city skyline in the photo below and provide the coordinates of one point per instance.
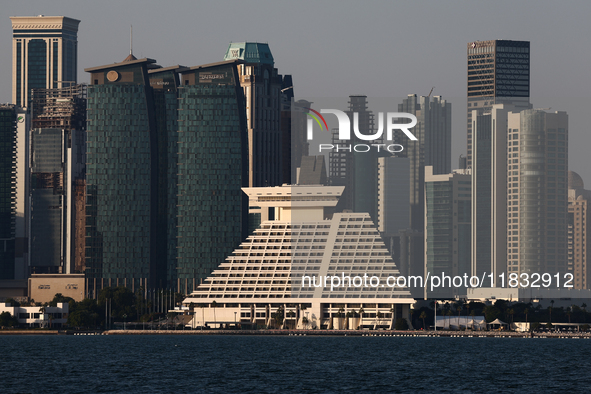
(365, 204)
(434, 56)
(174, 203)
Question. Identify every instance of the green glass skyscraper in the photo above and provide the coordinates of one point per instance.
(498, 73)
(166, 164)
(7, 190)
(122, 244)
(212, 168)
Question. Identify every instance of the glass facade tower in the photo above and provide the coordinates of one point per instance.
(122, 245)
(8, 121)
(447, 228)
(58, 160)
(498, 72)
(167, 157)
(537, 192)
(489, 191)
(262, 87)
(212, 168)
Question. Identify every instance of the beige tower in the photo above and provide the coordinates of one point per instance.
(44, 54)
(537, 160)
(579, 231)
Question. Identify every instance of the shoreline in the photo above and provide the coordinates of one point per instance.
(342, 333)
(356, 333)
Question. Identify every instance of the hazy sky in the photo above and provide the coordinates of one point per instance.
(338, 48)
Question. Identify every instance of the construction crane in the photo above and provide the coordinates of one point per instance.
(431, 91)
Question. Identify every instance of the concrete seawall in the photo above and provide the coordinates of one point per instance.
(351, 333)
(30, 332)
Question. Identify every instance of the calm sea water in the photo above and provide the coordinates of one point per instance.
(252, 364)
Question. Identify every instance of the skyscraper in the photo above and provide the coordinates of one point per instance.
(579, 231)
(212, 168)
(498, 72)
(537, 165)
(166, 163)
(165, 84)
(262, 87)
(447, 228)
(489, 191)
(8, 121)
(312, 171)
(357, 171)
(393, 192)
(365, 164)
(432, 147)
(519, 192)
(58, 161)
(122, 176)
(22, 249)
(44, 54)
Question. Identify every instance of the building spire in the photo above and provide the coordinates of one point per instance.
(130, 57)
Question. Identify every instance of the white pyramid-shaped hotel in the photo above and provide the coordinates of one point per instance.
(286, 274)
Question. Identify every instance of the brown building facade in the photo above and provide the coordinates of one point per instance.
(579, 230)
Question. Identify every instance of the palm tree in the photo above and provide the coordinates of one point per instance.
(511, 313)
(278, 316)
(353, 316)
(473, 313)
(202, 306)
(449, 314)
(340, 316)
(302, 309)
(392, 311)
(361, 311)
(348, 316)
(423, 316)
(214, 318)
(526, 311)
(291, 315)
(305, 322)
(42, 312)
(191, 310)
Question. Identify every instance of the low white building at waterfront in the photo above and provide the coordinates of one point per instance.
(38, 316)
(303, 270)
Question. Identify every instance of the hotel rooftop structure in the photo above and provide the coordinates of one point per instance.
(275, 278)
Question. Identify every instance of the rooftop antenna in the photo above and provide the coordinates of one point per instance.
(131, 39)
